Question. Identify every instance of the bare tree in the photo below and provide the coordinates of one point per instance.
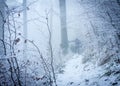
(51, 52)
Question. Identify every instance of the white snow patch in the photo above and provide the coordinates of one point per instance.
(78, 74)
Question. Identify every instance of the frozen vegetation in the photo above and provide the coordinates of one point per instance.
(75, 73)
(59, 42)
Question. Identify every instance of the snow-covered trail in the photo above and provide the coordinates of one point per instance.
(78, 74)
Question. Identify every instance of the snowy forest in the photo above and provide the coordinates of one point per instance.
(59, 42)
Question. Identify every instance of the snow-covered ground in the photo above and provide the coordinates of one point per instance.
(77, 74)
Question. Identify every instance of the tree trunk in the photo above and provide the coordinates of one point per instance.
(64, 36)
(25, 36)
(2, 22)
(25, 25)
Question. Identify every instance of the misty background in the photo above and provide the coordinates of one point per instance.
(59, 42)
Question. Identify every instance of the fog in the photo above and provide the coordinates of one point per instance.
(59, 43)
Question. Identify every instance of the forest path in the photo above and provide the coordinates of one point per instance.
(78, 74)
